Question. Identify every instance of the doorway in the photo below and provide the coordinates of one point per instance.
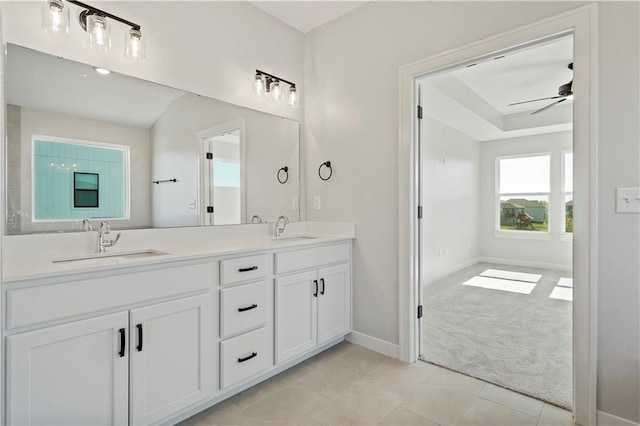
(223, 188)
(496, 257)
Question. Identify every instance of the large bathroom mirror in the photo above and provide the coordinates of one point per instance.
(84, 143)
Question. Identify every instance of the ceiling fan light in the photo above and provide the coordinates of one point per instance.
(55, 19)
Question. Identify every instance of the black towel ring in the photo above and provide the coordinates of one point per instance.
(326, 164)
(284, 169)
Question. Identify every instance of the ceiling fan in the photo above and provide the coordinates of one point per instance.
(564, 92)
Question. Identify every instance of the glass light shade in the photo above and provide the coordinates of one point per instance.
(276, 91)
(259, 86)
(55, 18)
(293, 97)
(134, 45)
(99, 32)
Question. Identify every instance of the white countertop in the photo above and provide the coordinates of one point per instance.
(23, 265)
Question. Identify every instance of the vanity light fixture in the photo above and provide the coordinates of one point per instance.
(269, 85)
(55, 21)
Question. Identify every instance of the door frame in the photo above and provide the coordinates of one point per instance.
(582, 23)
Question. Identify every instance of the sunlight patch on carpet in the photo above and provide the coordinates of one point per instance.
(510, 275)
(500, 284)
(562, 293)
(565, 282)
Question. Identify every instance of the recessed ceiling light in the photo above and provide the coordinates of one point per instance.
(102, 71)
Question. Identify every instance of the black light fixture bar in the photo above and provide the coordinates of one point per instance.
(273, 77)
(105, 14)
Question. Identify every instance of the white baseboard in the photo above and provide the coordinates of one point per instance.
(375, 344)
(525, 263)
(606, 419)
(447, 271)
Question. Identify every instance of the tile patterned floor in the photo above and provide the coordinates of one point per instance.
(350, 385)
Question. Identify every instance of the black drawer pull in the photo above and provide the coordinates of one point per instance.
(139, 347)
(315, 293)
(247, 308)
(322, 291)
(122, 342)
(247, 358)
(253, 268)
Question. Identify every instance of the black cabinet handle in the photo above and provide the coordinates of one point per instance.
(315, 282)
(322, 291)
(247, 308)
(247, 358)
(253, 268)
(123, 342)
(139, 347)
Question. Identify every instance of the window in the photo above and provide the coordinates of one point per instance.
(73, 179)
(86, 190)
(523, 193)
(567, 189)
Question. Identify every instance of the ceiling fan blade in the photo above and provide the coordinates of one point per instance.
(536, 100)
(549, 106)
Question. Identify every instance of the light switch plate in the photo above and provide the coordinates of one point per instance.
(627, 200)
(316, 203)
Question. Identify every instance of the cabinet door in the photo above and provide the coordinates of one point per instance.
(72, 374)
(295, 306)
(170, 358)
(334, 302)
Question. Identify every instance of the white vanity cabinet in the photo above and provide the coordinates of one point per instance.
(134, 366)
(71, 374)
(312, 307)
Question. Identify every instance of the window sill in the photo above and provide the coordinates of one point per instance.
(566, 237)
(523, 235)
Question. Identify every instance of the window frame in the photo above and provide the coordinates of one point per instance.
(517, 233)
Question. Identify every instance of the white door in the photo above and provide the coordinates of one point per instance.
(334, 302)
(171, 365)
(296, 304)
(71, 374)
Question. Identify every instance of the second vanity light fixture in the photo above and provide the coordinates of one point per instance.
(55, 22)
(271, 86)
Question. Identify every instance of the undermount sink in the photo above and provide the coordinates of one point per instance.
(107, 258)
(297, 238)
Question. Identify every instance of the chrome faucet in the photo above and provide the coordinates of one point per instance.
(86, 225)
(257, 218)
(281, 224)
(103, 243)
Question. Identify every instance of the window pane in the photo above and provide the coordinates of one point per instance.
(524, 213)
(568, 172)
(525, 175)
(568, 213)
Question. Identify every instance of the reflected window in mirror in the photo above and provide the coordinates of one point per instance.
(75, 179)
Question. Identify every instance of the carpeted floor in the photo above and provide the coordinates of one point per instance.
(522, 342)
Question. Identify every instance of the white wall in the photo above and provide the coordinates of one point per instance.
(270, 143)
(618, 234)
(351, 113)
(554, 252)
(35, 122)
(451, 199)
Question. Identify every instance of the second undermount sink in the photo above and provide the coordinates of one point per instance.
(107, 258)
(293, 238)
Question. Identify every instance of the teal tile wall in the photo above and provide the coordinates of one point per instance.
(54, 164)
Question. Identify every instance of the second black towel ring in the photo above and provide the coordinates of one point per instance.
(284, 180)
(326, 164)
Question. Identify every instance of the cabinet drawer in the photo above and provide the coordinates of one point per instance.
(243, 357)
(243, 269)
(242, 308)
(57, 301)
(296, 260)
